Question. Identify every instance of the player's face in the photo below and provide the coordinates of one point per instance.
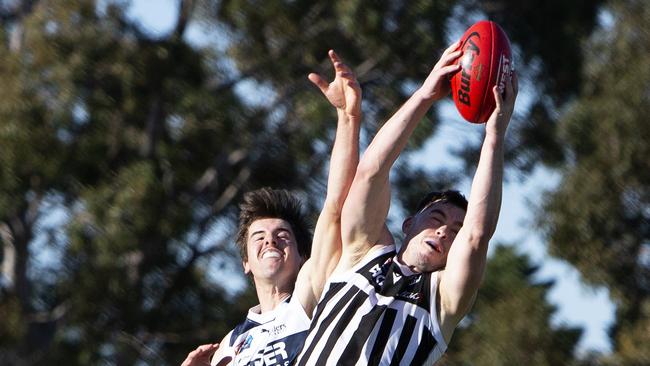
(429, 235)
(272, 252)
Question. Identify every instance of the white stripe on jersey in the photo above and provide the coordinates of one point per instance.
(379, 312)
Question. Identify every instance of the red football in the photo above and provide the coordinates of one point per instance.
(485, 62)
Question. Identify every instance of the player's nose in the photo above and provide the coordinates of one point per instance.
(442, 232)
(270, 241)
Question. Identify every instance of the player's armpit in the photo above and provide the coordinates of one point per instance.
(304, 290)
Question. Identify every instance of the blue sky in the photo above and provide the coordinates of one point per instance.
(577, 304)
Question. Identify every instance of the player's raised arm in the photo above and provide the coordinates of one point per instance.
(463, 273)
(344, 93)
(366, 207)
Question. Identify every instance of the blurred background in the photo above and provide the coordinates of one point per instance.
(129, 131)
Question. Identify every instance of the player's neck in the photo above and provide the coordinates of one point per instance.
(270, 296)
(404, 259)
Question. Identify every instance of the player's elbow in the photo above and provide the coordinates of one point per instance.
(458, 307)
(333, 208)
(462, 300)
(369, 169)
(479, 238)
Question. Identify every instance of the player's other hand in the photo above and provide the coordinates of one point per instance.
(505, 104)
(202, 354)
(344, 92)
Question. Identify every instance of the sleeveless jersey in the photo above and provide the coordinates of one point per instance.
(273, 338)
(377, 313)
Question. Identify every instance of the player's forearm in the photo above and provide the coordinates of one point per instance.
(485, 197)
(467, 256)
(393, 137)
(343, 161)
(366, 207)
(326, 247)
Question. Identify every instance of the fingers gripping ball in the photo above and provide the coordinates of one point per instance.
(486, 62)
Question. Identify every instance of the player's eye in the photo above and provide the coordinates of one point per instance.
(436, 218)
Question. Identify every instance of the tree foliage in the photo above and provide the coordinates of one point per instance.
(129, 138)
(598, 218)
(123, 155)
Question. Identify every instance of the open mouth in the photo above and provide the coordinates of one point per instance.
(434, 245)
(271, 254)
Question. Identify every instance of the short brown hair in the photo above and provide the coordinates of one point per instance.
(267, 203)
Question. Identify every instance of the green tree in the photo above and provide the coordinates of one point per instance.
(598, 218)
(131, 138)
(123, 154)
(511, 320)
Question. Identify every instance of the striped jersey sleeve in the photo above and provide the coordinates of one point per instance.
(378, 313)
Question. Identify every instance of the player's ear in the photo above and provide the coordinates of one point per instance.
(406, 225)
(247, 268)
(386, 237)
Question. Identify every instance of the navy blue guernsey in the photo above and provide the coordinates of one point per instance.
(273, 338)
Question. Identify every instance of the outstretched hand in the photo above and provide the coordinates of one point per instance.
(505, 104)
(344, 91)
(436, 86)
(202, 354)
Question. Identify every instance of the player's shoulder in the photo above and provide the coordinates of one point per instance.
(225, 352)
(356, 261)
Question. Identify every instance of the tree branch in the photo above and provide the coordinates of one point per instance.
(8, 256)
(185, 8)
(232, 190)
(154, 125)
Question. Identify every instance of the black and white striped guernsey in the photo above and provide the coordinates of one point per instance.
(377, 313)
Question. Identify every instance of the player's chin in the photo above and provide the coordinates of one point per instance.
(273, 268)
(426, 267)
(434, 261)
(427, 262)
